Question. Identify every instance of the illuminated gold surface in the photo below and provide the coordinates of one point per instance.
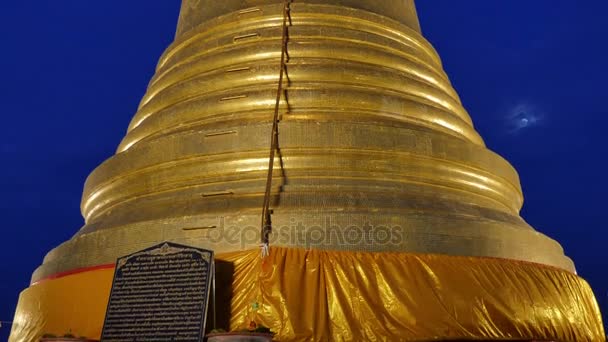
(377, 156)
(372, 133)
(347, 296)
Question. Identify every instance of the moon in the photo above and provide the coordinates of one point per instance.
(523, 117)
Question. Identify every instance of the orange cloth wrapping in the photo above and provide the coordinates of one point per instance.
(344, 296)
(72, 304)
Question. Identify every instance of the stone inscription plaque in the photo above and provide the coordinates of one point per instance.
(159, 294)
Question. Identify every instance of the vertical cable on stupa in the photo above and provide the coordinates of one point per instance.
(266, 225)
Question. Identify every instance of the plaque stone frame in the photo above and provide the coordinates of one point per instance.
(161, 293)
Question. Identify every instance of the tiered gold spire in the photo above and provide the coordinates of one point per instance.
(371, 132)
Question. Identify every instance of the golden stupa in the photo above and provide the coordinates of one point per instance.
(391, 221)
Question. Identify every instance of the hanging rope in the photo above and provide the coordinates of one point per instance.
(266, 226)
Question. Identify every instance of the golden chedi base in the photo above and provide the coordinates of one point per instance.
(311, 295)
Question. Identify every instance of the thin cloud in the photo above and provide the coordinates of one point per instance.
(523, 116)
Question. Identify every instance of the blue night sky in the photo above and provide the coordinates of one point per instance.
(532, 74)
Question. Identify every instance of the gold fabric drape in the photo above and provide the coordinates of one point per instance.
(73, 304)
(312, 295)
(344, 296)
